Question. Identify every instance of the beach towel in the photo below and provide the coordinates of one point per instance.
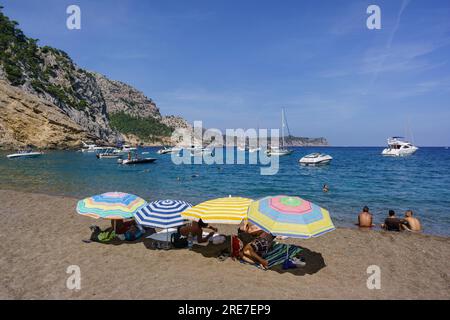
(278, 254)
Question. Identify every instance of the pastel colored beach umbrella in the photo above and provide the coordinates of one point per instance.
(290, 217)
(162, 214)
(110, 205)
(230, 210)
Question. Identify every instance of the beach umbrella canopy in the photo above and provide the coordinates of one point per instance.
(290, 216)
(162, 214)
(110, 205)
(230, 210)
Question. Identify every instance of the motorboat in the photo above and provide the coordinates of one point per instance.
(398, 147)
(136, 160)
(315, 159)
(109, 153)
(281, 150)
(90, 147)
(24, 154)
(252, 150)
(169, 150)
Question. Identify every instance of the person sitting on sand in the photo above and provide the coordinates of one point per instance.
(196, 229)
(365, 218)
(255, 251)
(411, 223)
(392, 223)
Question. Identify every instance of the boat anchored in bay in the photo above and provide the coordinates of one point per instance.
(398, 147)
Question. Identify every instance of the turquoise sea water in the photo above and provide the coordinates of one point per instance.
(356, 177)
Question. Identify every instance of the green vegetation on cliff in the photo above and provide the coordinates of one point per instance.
(22, 60)
(144, 128)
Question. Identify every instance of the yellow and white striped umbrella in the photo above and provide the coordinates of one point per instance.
(231, 210)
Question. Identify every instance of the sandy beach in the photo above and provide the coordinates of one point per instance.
(42, 235)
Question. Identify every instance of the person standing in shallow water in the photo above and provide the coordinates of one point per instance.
(365, 218)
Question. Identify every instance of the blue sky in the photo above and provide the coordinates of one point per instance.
(234, 64)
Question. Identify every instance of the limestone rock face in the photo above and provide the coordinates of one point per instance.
(119, 96)
(26, 119)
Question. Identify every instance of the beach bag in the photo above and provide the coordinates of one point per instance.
(178, 241)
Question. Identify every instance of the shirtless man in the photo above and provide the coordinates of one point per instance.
(196, 229)
(412, 224)
(365, 218)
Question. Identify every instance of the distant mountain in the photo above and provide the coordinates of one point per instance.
(107, 111)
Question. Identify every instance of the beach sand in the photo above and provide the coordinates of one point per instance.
(42, 236)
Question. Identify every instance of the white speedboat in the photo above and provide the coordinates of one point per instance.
(90, 147)
(136, 160)
(109, 153)
(281, 150)
(252, 150)
(315, 159)
(24, 154)
(168, 150)
(398, 147)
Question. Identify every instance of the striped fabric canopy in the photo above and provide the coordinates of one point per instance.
(162, 214)
(231, 210)
(290, 216)
(110, 205)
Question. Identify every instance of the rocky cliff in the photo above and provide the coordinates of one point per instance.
(88, 99)
(27, 120)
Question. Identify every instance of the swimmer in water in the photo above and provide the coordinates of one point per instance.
(325, 188)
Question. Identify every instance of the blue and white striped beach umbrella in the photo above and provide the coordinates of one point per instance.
(162, 214)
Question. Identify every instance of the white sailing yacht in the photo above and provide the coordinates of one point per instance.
(281, 150)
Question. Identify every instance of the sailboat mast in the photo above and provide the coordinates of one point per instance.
(282, 127)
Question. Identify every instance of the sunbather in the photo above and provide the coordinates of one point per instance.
(196, 230)
(255, 251)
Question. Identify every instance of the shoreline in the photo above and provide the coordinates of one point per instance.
(43, 237)
(345, 225)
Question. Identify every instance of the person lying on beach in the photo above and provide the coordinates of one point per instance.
(365, 218)
(411, 223)
(122, 226)
(255, 251)
(392, 223)
(196, 229)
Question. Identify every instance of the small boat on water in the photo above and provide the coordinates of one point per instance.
(398, 147)
(109, 153)
(25, 154)
(91, 147)
(315, 159)
(136, 160)
(252, 150)
(169, 150)
(281, 150)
